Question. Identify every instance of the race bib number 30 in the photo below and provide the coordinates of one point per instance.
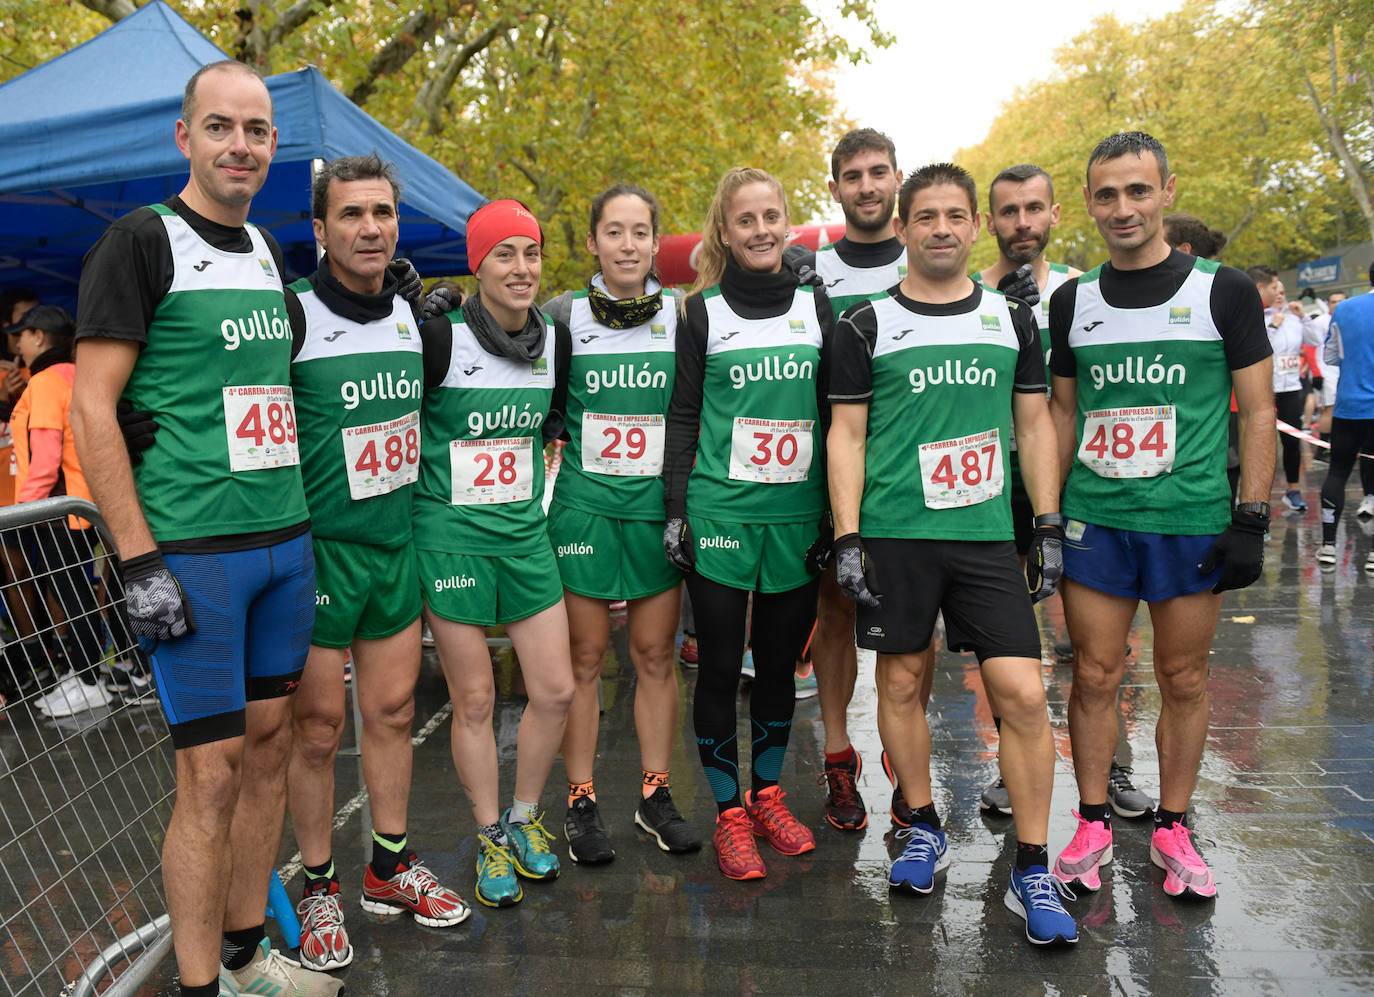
(383, 456)
(965, 471)
(771, 451)
(622, 444)
(486, 472)
(260, 420)
(1128, 442)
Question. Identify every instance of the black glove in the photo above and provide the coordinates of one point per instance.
(1045, 560)
(157, 606)
(678, 544)
(1317, 382)
(1020, 284)
(408, 283)
(439, 301)
(854, 570)
(818, 554)
(138, 428)
(1240, 550)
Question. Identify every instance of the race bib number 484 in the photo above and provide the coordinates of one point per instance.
(383, 456)
(486, 472)
(622, 444)
(1129, 442)
(963, 471)
(771, 451)
(260, 420)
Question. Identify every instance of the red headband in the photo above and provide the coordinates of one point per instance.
(495, 222)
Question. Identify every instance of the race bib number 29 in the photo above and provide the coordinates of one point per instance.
(260, 420)
(622, 444)
(1129, 442)
(486, 472)
(771, 451)
(963, 471)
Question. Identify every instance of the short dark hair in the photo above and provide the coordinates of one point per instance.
(347, 169)
(1128, 143)
(1206, 243)
(188, 96)
(12, 296)
(1020, 173)
(857, 141)
(622, 190)
(1262, 273)
(930, 176)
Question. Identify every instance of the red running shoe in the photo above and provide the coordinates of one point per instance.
(736, 852)
(324, 940)
(775, 823)
(413, 889)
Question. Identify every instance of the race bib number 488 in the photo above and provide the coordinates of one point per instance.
(1128, 442)
(383, 456)
(260, 420)
(963, 471)
(486, 472)
(771, 451)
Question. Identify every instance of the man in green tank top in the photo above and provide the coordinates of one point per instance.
(1146, 350)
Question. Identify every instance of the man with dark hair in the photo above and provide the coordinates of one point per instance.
(182, 312)
(1190, 234)
(928, 377)
(1159, 338)
(1349, 349)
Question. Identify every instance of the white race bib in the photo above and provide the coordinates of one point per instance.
(771, 451)
(960, 472)
(1287, 363)
(485, 472)
(622, 444)
(260, 420)
(383, 456)
(1129, 442)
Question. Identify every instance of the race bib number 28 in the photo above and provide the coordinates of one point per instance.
(260, 420)
(963, 471)
(486, 472)
(771, 451)
(383, 456)
(1128, 442)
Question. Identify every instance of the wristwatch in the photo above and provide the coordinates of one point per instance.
(1260, 509)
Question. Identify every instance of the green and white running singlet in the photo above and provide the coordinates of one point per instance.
(358, 387)
(481, 485)
(938, 380)
(619, 385)
(215, 376)
(759, 457)
(849, 282)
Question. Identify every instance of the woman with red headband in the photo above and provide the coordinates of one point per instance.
(495, 387)
(607, 513)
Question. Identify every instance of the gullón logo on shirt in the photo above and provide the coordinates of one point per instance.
(991, 322)
(1180, 316)
(658, 332)
(403, 331)
(540, 367)
(901, 271)
(267, 268)
(796, 325)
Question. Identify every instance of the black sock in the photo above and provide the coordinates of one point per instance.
(318, 878)
(1095, 811)
(239, 948)
(1029, 855)
(388, 852)
(927, 815)
(1168, 818)
(210, 989)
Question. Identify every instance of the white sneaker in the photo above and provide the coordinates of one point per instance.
(276, 975)
(1326, 554)
(1369, 562)
(74, 696)
(1366, 509)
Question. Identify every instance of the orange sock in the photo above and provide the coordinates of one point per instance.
(576, 789)
(652, 780)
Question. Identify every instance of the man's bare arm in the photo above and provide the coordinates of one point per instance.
(1038, 449)
(1064, 413)
(844, 446)
(1254, 387)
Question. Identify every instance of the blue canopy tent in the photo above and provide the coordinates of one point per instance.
(87, 137)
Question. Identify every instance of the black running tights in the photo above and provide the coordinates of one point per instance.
(1349, 437)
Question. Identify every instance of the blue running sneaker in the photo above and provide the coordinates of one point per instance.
(529, 847)
(497, 885)
(925, 854)
(1034, 895)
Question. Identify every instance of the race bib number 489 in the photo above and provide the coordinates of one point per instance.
(486, 472)
(963, 471)
(622, 444)
(260, 420)
(1129, 442)
(771, 451)
(383, 456)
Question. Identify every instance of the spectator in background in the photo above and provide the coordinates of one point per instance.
(1350, 346)
(1190, 234)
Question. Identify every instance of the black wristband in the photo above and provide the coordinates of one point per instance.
(1049, 519)
(143, 565)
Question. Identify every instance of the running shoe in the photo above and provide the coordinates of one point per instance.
(658, 815)
(73, 696)
(497, 884)
(746, 668)
(736, 852)
(1366, 509)
(1293, 500)
(805, 685)
(1369, 562)
(1063, 650)
(413, 889)
(1125, 799)
(926, 853)
(996, 799)
(134, 688)
(901, 814)
(687, 653)
(274, 974)
(529, 847)
(844, 807)
(426, 638)
(324, 940)
(1090, 849)
(587, 840)
(1184, 871)
(1034, 895)
(1326, 555)
(775, 824)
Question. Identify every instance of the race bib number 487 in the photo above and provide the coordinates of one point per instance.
(260, 420)
(486, 472)
(963, 471)
(1129, 442)
(771, 451)
(383, 456)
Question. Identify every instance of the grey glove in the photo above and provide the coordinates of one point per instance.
(678, 545)
(157, 606)
(1020, 284)
(1045, 559)
(854, 570)
(408, 283)
(438, 302)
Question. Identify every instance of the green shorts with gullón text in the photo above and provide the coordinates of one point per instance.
(470, 588)
(604, 558)
(363, 592)
(770, 557)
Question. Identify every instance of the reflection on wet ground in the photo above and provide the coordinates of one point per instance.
(1284, 813)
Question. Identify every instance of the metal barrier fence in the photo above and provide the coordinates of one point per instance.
(87, 773)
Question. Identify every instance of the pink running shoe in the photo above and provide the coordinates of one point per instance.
(1184, 870)
(1090, 849)
(774, 823)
